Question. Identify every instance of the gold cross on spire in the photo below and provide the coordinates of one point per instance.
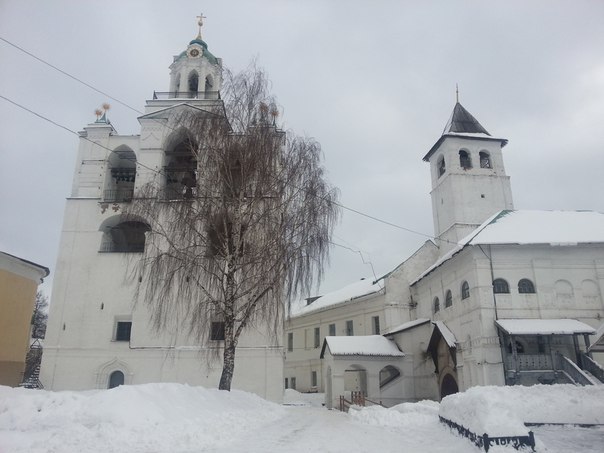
(457, 93)
(200, 19)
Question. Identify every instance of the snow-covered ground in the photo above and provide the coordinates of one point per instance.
(177, 419)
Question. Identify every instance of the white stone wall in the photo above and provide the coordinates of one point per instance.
(472, 320)
(93, 290)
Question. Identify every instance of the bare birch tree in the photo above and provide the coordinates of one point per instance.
(240, 220)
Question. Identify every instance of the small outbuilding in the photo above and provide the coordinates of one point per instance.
(371, 364)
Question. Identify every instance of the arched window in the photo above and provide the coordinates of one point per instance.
(485, 160)
(500, 286)
(441, 166)
(121, 175)
(116, 379)
(436, 305)
(525, 286)
(519, 347)
(180, 168)
(465, 290)
(193, 84)
(465, 161)
(564, 291)
(124, 237)
(448, 299)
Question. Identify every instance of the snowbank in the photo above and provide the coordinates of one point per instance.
(292, 397)
(133, 418)
(402, 415)
(502, 411)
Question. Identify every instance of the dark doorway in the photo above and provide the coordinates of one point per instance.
(448, 386)
(116, 379)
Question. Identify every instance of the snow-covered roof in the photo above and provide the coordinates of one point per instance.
(557, 228)
(544, 326)
(353, 291)
(406, 326)
(446, 333)
(371, 345)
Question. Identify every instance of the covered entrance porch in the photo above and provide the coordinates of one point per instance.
(547, 351)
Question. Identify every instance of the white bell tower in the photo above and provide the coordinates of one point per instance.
(195, 72)
(469, 183)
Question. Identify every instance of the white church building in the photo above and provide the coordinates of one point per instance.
(99, 336)
(501, 297)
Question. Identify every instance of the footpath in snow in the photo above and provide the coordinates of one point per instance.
(162, 418)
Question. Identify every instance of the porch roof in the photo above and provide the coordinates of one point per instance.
(406, 326)
(544, 327)
(367, 345)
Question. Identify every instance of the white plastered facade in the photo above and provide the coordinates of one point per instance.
(94, 290)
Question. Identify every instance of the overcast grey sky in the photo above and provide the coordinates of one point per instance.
(372, 81)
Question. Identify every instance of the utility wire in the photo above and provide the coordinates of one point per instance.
(69, 75)
(385, 222)
(377, 219)
(69, 130)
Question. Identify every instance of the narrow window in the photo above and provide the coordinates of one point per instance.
(286, 383)
(485, 159)
(500, 286)
(349, 328)
(448, 299)
(293, 382)
(465, 161)
(313, 378)
(375, 322)
(525, 286)
(290, 341)
(317, 337)
(332, 330)
(436, 305)
(116, 379)
(217, 331)
(193, 84)
(441, 166)
(465, 290)
(123, 330)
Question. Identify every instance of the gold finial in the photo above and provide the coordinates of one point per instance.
(457, 93)
(200, 19)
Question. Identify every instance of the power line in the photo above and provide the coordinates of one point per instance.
(369, 216)
(69, 75)
(68, 130)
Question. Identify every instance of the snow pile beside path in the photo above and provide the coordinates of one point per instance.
(402, 415)
(292, 397)
(137, 418)
(502, 411)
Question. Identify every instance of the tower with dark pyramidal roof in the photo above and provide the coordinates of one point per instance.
(469, 182)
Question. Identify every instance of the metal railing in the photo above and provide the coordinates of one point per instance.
(572, 370)
(592, 366)
(530, 362)
(112, 247)
(186, 95)
(123, 195)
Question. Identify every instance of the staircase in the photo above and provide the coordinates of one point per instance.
(591, 373)
(33, 360)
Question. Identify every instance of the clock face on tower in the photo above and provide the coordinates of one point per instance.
(194, 53)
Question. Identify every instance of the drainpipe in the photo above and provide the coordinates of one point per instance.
(489, 257)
